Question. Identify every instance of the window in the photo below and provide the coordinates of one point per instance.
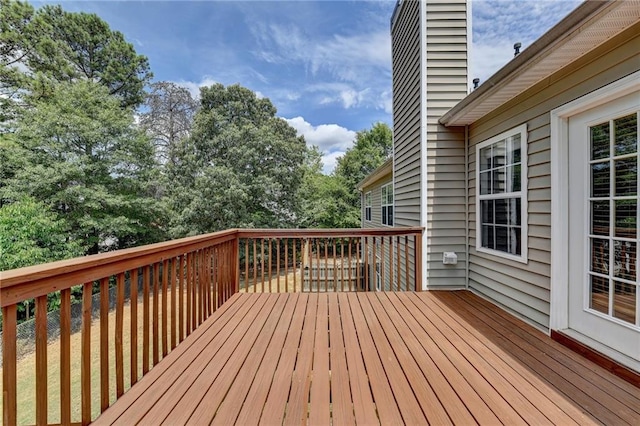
(501, 195)
(387, 204)
(367, 206)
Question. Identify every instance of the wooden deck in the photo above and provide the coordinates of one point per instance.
(368, 358)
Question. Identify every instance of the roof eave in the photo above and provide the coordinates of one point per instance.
(458, 115)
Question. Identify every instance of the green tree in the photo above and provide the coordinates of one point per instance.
(84, 159)
(49, 45)
(242, 166)
(371, 148)
(30, 234)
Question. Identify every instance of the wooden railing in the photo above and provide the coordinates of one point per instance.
(163, 292)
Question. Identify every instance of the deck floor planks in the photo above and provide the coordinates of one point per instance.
(485, 363)
(591, 383)
(276, 394)
(586, 394)
(173, 365)
(364, 407)
(496, 363)
(201, 371)
(278, 348)
(341, 401)
(386, 405)
(297, 406)
(256, 361)
(319, 402)
(564, 355)
(416, 399)
(245, 333)
(456, 410)
(380, 357)
(451, 364)
(240, 370)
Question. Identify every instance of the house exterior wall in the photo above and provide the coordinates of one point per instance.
(429, 62)
(405, 59)
(524, 288)
(446, 84)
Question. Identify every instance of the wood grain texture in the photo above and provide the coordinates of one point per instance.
(9, 364)
(42, 408)
(373, 358)
(85, 355)
(65, 356)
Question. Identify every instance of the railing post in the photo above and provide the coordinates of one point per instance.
(236, 256)
(418, 248)
(9, 360)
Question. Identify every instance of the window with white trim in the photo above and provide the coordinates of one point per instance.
(501, 195)
(367, 206)
(387, 204)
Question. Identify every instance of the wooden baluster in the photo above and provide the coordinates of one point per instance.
(398, 270)
(181, 291)
(155, 320)
(277, 241)
(146, 284)
(326, 266)
(270, 265)
(174, 282)
(85, 354)
(335, 265)
(406, 262)
(165, 311)
(65, 356)
(104, 344)
(246, 265)
(255, 266)
(262, 261)
(418, 260)
(350, 273)
(358, 261)
(41, 360)
(342, 264)
(286, 265)
(119, 334)
(382, 275)
(365, 253)
(216, 277)
(374, 260)
(188, 283)
(194, 289)
(134, 326)
(207, 265)
(200, 286)
(318, 247)
(293, 255)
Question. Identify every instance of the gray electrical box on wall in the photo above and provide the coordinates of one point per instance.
(449, 258)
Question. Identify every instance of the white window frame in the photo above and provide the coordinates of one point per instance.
(367, 206)
(522, 195)
(383, 204)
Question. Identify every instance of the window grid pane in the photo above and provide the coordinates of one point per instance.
(500, 172)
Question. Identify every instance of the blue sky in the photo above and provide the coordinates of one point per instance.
(326, 65)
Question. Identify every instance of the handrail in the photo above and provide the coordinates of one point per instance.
(178, 284)
(39, 276)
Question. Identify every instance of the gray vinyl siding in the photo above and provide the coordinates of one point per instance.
(525, 288)
(447, 83)
(405, 39)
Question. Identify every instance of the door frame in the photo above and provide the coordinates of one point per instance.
(559, 122)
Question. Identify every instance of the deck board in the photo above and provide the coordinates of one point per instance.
(366, 358)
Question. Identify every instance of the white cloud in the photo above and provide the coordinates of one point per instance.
(194, 87)
(331, 139)
(329, 161)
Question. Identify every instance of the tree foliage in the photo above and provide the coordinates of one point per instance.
(83, 158)
(242, 165)
(49, 45)
(30, 233)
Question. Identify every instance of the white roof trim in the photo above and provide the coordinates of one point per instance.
(587, 27)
